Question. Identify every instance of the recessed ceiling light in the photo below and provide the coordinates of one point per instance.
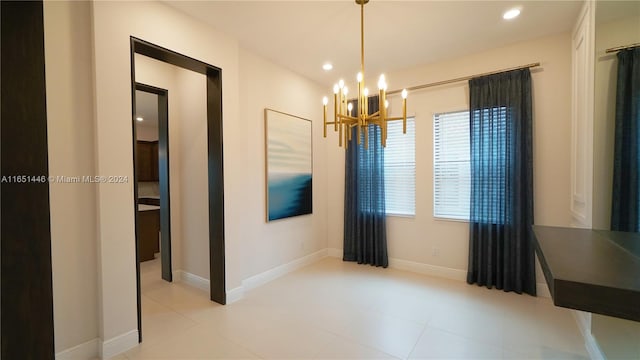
(327, 66)
(139, 118)
(511, 14)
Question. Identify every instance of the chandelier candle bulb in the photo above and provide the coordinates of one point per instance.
(381, 82)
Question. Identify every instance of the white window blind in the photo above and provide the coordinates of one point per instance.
(400, 169)
(451, 165)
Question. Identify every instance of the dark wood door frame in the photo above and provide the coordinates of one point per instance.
(215, 159)
(27, 290)
(163, 174)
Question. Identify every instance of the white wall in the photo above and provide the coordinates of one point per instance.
(71, 136)
(414, 238)
(263, 84)
(114, 23)
(616, 338)
(108, 225)
(194, 180)
(610, 34)
(89, 105)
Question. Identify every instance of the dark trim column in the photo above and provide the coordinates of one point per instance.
(27, 294)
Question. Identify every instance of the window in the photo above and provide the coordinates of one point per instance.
(490, 164)
(400, 169)
(451, 165)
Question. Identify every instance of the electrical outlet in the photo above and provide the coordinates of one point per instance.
(435, 251)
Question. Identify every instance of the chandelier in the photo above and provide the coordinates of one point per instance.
(345, 119)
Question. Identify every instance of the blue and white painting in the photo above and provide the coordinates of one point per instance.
(289, 165)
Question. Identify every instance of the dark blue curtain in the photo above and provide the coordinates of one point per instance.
(501, 252)
(365, 229)
(625, 209)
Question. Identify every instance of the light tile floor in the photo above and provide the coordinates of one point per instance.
(337, 310)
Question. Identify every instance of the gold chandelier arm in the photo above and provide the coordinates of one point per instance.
(325, 120)
(347, 118)
(384, 134)
(404, 112)
(335, 112)
(340, 134)
(362, 38)
(366, 137)
(373, 116)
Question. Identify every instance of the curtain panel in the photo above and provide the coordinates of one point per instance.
(625, 199)
(365, 230)
(501, 250)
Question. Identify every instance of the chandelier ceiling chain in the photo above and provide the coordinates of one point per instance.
(344, 119)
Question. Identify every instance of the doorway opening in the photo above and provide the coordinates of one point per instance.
(214, 156)
(152, 177)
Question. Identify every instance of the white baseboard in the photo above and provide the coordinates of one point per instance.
(333, 252)
(254, 281)
(416, 267)
(235, 294)
(272, 274)
(434, 270)
(542, 290)
(583, 320)
(192, 279)
(87, 350)
(119, 344)
(427, 269)
(592, 348)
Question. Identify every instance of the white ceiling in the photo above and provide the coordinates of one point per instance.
(302, 35)
(147, 108)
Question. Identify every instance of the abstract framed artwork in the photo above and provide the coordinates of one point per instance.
(289, 164)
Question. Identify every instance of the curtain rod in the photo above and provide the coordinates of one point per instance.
(464, 78)
(616, 49)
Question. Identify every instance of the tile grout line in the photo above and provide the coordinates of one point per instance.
(424, 328)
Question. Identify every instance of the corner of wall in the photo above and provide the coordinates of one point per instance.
(583, 321)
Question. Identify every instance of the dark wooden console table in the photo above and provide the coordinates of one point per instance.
(591, 270)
